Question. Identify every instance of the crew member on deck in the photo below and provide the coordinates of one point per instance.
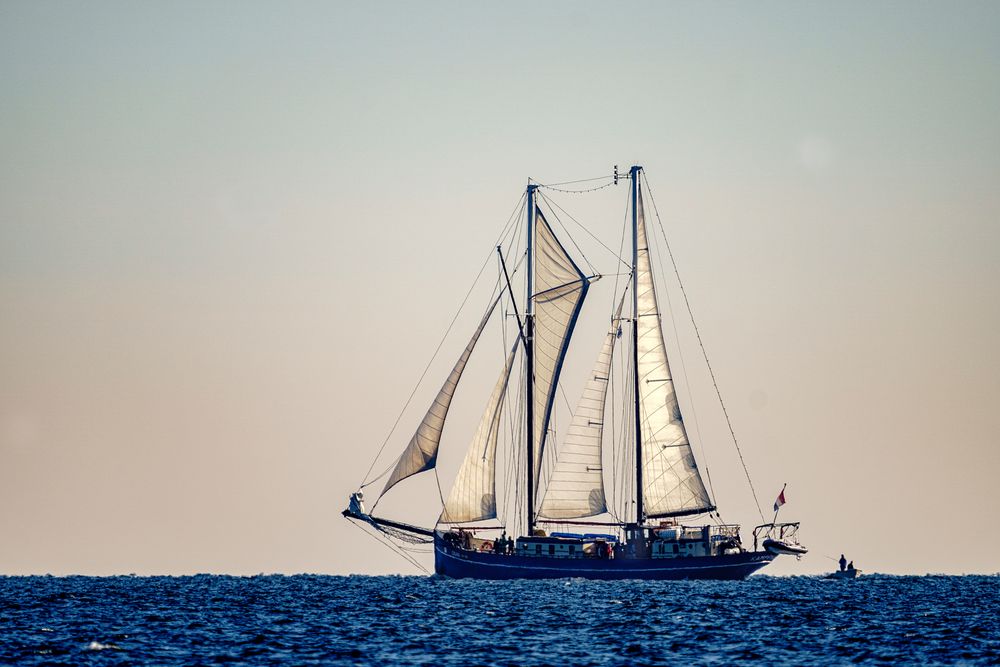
(843, 563)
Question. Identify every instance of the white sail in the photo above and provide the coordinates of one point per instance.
(421, 453)
(671, 483)
(559, 290)
(576, 487)
(473, 495)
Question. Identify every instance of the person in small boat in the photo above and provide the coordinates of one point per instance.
(843, 563)
(850, 566)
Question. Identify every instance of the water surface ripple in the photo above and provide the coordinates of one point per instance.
(307, 619)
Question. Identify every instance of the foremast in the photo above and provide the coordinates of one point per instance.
(529, 359)
(556, 290)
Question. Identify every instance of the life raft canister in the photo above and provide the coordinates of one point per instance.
(486, 546)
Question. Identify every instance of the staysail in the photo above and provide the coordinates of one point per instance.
(473, 495)
(576, 488)
(421, 453)
(559, 290)
(671, 483)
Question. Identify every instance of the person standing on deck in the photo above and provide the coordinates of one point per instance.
(843, 563)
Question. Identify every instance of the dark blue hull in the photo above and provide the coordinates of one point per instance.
(462, 564)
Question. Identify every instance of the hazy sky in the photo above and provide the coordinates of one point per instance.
(232, 233)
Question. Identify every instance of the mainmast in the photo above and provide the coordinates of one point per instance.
(529, 359)
(639, 510)
(668, 482)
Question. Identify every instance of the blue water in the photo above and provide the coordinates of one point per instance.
(277, 620)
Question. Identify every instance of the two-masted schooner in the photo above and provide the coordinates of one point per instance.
(560, 479)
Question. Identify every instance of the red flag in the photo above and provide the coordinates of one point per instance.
(781, 499)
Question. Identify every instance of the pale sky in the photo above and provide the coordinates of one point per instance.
(232, 233)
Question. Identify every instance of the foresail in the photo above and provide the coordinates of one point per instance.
(670, 478)
(473, 495)
(559, 290)
(421, 453)
(576, 487)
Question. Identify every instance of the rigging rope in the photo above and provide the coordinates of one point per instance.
(391, 546)
(554, 186)
(628, 460)
(578, 192)
(621, 249)
(619, 499)
(365, 481)
(704, 352)
(555, 217)
(553, 205)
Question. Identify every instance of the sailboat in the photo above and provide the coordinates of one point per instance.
(651, 516)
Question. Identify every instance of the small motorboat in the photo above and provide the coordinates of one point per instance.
(851, 573)
(783, 547)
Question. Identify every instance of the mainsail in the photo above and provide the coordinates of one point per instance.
(671, 484)
(559, 290)
(473, 495)
(421, 453)
(576, 487)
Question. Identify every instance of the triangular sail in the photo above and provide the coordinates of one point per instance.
(473, 495)
(421, 453)
(559, 290)
(671, 483)
(576, 487)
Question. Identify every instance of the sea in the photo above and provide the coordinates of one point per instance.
(411, 620)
